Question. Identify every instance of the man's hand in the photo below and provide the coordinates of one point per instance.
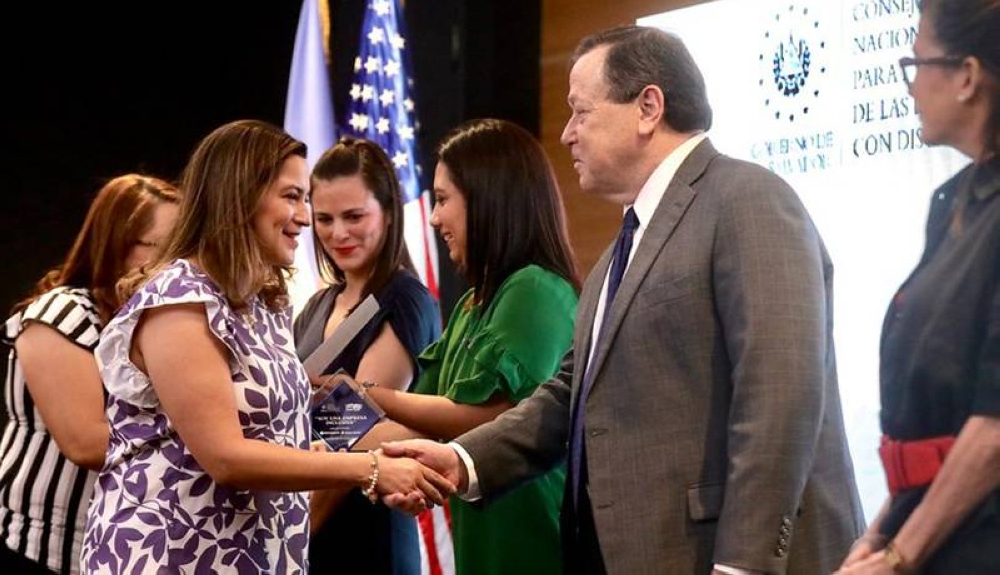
(411, 479)
(439, 457)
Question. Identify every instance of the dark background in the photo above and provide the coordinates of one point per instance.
(95, 89)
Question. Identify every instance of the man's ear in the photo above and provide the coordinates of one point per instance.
(652, 107)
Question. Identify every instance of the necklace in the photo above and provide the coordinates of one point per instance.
(248, 316)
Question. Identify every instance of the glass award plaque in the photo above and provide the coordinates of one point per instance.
(341, 415)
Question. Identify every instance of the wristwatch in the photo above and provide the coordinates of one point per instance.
(896, 561)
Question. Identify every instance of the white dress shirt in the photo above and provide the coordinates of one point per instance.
(645, 204)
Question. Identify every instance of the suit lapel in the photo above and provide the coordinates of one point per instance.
(668, 214)
(586, 310)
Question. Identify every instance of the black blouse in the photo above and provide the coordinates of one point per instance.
(360, 537)
(940, 359)
(940, 352)
(404, 302)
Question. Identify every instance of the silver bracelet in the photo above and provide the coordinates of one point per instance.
(364, 386)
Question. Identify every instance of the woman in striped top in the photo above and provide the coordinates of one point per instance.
(57, 432)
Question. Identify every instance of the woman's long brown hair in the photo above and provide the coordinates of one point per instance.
(223, 182)
(120, 213)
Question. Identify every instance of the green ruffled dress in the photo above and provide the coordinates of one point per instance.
(512, 346)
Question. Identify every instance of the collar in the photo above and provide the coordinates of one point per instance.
(656, 185)
(985, 179)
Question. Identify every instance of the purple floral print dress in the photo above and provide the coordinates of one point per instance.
(155, 510)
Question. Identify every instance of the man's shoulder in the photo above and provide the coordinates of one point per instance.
(723, 163)
(729, 176)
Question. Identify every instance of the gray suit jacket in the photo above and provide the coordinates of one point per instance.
(714, 428)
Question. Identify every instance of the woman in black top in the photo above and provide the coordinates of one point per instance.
(358, 242)
(940, 362)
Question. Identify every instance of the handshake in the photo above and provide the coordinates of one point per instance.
(410, 475)
(416, 474)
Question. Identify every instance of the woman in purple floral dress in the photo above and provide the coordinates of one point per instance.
(209, 459)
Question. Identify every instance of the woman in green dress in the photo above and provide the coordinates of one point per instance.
(497, 206)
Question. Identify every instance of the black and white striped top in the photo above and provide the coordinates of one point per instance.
(43, 495)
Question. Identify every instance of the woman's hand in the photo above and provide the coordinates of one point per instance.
(874, 564)
(409, 478)
(863, 548)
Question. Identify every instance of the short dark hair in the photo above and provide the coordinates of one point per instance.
(638, 57)
(971, 28)
(364, 158)
(514, 214)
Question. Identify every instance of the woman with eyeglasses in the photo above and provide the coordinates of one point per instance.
(940, 354)
(57, 433)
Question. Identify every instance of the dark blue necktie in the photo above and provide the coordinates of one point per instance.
(619, 261)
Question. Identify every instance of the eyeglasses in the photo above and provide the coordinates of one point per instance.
(910, 66)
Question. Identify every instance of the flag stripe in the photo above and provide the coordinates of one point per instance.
(429, 248)
(426, 521)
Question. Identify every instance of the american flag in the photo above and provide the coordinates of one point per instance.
(382, 109)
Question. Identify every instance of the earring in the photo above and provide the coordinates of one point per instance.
(962, 98)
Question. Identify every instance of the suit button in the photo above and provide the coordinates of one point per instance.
(780, 552)
(783, 541)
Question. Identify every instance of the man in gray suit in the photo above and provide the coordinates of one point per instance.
(699, 408)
